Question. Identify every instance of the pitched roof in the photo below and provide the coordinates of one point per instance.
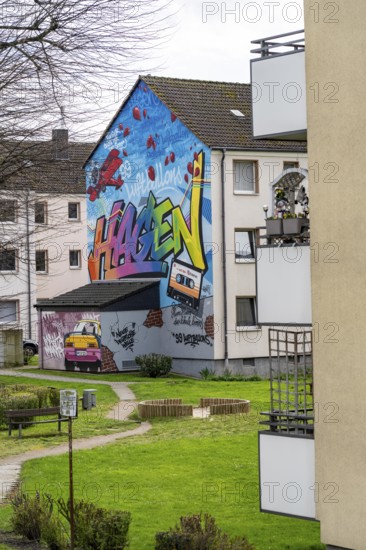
(205, 108)
(34, 165)
(98, 294)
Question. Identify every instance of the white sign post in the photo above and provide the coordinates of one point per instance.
(69, 407)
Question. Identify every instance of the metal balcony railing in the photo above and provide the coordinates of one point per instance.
(280, 44)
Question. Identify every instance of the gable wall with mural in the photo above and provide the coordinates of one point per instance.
(149, 216)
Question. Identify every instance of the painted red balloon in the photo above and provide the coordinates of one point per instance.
(151, 173)
(126, 132)
(196, 172)
(125, 153)
(172, 156)
(144, 112)
(166, 161)
(173, 117)
(195, 156)
(149, 142)
(120, 126)
(186, 178)
(190, 167)
(136, 113)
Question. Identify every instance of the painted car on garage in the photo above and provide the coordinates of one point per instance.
(83, 344)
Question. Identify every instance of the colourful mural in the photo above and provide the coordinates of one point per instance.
(149, 203)
(71, 340)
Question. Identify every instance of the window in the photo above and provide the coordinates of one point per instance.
(40, 212)
(290, 164)
(75, 259)
(244, 245)
(245, 176)
(41, 261)
(8, 211)
(74, 210)
(8, 311)
(245, 312)
(8, 261)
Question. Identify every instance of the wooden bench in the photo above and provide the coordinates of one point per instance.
(17, 417)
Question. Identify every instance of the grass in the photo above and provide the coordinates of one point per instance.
(117, 377)
(89, 423)
(181, 466)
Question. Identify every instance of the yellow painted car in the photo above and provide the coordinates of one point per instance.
(83, 344)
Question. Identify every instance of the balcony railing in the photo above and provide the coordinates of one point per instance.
(279, 44)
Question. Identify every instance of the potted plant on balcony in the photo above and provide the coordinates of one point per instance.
(291, 224)
(274, 226)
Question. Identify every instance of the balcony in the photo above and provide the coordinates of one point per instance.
(279, 88)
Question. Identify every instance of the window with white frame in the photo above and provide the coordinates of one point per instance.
(8, 260)
(245, 176)
(245, 312)
(8, 311)
(40, 212)
(8, 210)
(244, 245)
(74, 211)
(41, 261)
(75, 259)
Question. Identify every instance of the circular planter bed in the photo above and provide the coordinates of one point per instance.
(174, 407)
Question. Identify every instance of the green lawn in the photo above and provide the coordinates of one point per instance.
(181, 466)
(88, 424)
(115, 377)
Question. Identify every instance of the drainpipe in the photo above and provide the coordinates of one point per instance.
(28, 268)
(226, 354)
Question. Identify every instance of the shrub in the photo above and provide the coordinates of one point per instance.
(97, 528)
(154, 364)
(22, 396)
(195, 534)
(33, 518)
(207, 374)
(16, 401)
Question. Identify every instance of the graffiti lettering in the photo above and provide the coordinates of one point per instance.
(182, 315)
(192, 340)
(129, 243)
(53, 346)
(143, 185)
(125, 337)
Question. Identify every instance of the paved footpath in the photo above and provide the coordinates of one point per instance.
(10, 466)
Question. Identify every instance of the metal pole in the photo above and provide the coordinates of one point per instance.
(71, 497)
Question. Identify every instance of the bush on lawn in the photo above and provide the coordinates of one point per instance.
(97, 528)
(193, 533)
(154, 364)
(22, 396)
(33, 518)
(16, 401)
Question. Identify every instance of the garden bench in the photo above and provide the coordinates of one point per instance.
(18, 417)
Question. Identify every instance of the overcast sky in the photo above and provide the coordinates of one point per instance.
(211, 40)
(208, 41)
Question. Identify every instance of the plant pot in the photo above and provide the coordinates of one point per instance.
(292, 226)
(274, 227)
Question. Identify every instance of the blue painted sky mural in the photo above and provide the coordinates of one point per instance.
(149, 202)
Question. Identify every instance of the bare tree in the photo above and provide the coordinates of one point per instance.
(75, 54)
(66, 59)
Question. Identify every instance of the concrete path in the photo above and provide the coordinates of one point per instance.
(10, 467)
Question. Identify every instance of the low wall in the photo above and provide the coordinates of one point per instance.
(164, 407)
(223, 405)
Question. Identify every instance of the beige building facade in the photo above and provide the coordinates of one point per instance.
(336, 125)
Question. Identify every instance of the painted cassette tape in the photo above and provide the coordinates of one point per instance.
(185, 284)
